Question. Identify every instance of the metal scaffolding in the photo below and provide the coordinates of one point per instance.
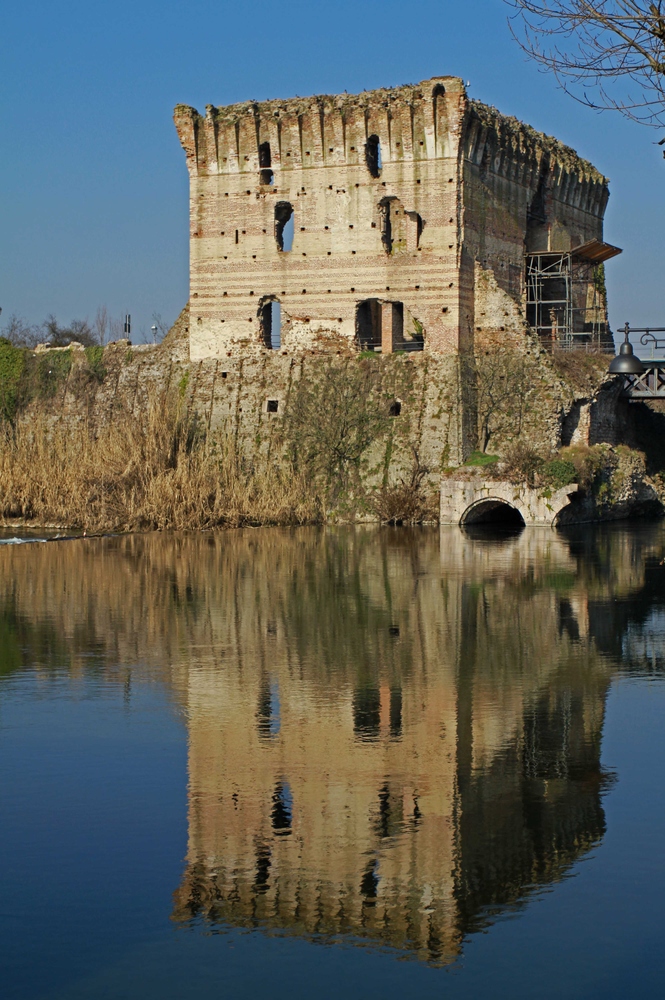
(565, 299)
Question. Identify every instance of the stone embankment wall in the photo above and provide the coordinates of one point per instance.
(246, 400)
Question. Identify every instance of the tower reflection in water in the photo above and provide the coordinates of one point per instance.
(397, 741)
(394, 735)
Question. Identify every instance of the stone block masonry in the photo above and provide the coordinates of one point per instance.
(475, 501)
(244, 399)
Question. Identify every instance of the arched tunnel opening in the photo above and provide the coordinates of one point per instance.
(495, 514)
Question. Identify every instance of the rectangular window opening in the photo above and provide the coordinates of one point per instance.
(270, 318)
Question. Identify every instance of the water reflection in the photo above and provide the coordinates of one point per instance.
(393, 736)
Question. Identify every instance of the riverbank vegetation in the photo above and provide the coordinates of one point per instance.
(127, 475)
(125, 466)
(166, 471)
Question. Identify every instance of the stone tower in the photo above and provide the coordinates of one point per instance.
(399, 219)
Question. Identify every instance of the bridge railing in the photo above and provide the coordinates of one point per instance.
(649, 384)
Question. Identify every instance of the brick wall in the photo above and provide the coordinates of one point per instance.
(396, 197)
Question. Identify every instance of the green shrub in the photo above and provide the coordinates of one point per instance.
(522, 463)
(53, 368)
(12, 365)
(182, 385)
(557, 473)
(95, 358)
(589, 461)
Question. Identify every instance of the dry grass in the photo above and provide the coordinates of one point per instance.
(411, 500)
(585, 371)
(140, 474)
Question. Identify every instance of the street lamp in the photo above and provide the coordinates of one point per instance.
(625, 363)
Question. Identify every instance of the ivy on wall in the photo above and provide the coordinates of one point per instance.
(26, 377)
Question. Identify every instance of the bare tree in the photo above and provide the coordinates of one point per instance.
(500, 380)
(116, 329)
(102, 324)
(20, 333)
(332, 420)
(607, 54)
(78, 331)
(159, 328)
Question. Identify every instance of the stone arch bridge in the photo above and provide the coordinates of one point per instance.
(485, 500)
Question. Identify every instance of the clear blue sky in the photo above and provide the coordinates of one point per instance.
(94, 195)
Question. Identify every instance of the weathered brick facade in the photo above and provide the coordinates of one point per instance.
(412, 209)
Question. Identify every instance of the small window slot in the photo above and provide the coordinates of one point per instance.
(265, 163)
(373, 155)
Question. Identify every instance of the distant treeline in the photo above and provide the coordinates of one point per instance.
(103, 329)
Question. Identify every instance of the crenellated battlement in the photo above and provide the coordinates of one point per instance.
(502, 145)
(412, 123)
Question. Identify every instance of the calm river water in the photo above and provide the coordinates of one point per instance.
(370, 763)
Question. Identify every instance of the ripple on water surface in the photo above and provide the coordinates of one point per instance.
(383, 737)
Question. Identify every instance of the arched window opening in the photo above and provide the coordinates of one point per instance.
(386, 326)
(373, 155)
(439, 112)
(284, 226)
(395, 408)
(401, 228)
(266, 174)
(270, 324)
(438, 101)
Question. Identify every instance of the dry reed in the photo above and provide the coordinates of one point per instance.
(154, 473)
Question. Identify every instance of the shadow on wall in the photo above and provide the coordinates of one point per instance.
(493, 512)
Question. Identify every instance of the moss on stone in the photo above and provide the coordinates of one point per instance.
(12, 365)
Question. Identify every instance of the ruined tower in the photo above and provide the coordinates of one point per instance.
(401, 219)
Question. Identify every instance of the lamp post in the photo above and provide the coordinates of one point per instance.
(625, 363)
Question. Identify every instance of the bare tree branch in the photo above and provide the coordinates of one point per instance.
(607, 54)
